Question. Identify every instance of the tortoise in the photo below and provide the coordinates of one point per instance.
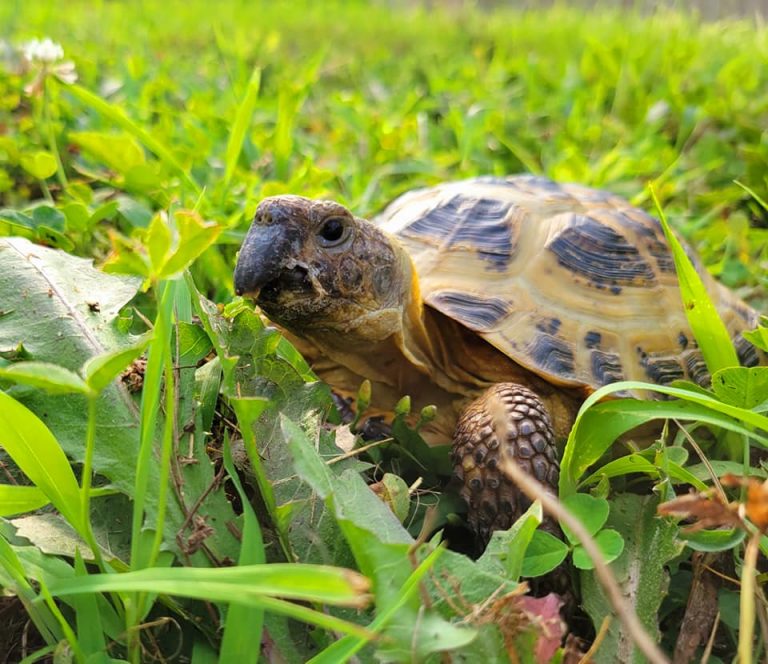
(504, 301)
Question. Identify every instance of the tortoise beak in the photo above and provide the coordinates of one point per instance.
(262, 258)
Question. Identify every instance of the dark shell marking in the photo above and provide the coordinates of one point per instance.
(599, 253)
(606, 367)
(592, 339)
(553, 355)
(477, 313)
(748, 355)
(476, 223)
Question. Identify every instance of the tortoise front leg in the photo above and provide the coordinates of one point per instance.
(507, 421)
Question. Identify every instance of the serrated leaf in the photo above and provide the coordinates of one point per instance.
(641, 571)
(745, 387)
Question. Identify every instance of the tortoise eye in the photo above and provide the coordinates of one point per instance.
(333, 232)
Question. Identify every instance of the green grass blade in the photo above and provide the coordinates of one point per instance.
(36, 451)
(305, 582)
(20, 499)
(88, 618)
(600, 429)
(706, 325)
(345, 648)
(240, 126)
(243, 624)
(151, 396)
(38, 613)
(754, 195)
(46, 376)
(120, 118)
(636, 463)
(66, 628)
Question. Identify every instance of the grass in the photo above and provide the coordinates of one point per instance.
(181, 120)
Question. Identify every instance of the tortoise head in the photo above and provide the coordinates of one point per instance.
(322, 273)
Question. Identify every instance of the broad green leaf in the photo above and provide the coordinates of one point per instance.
(393, 490)
(194, 237)
(65, 311)
(33, 448)
(611, 544)
(117, 151)
(707, 327)
(544, 553)
(741, 386)
(240, 125)
(39, 164)
(77, 216)
(13, 222)
(344, 648)
(17, 499)
(641, 571)
(714, 540)
(47, 216)
(591, 511)
(381, 546)
(50, 377)
(158, 241)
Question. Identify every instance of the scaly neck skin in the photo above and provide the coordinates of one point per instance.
(390, 346)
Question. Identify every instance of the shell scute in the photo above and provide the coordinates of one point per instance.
(565, 280)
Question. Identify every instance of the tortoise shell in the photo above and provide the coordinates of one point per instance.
(572, 283)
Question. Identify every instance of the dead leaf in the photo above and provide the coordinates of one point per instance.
(707, 509)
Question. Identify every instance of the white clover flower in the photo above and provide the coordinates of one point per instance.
(44, 58)
(45, 50)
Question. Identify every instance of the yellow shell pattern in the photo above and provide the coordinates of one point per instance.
(572, 283)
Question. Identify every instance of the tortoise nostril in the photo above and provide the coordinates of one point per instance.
(297, 276)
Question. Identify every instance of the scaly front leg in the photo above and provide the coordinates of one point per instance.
(507, 421)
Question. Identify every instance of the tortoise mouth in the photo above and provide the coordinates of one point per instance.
(294, 280)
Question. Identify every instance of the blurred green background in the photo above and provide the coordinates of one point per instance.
(360, 101)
